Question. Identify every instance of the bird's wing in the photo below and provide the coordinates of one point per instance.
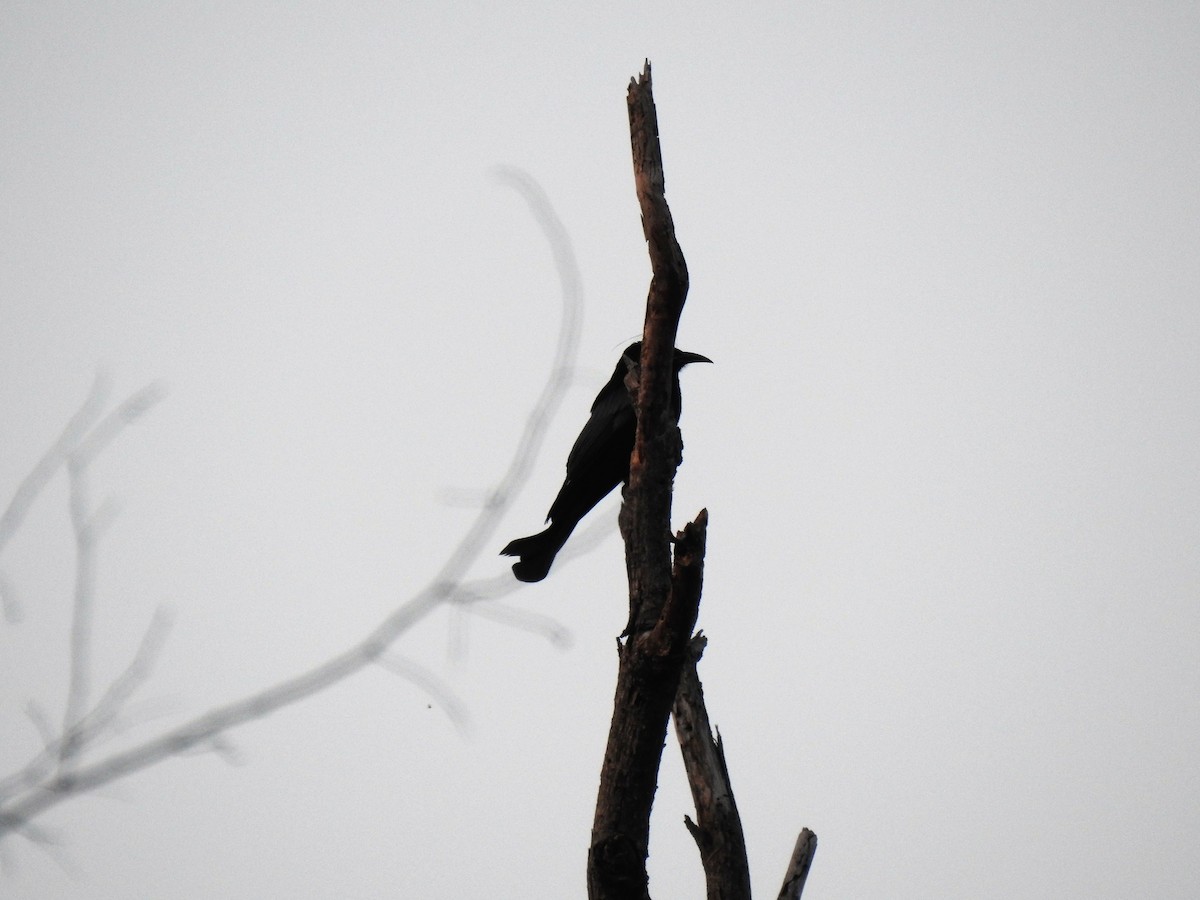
(612, 414)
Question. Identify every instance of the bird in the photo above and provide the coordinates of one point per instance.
(597, 463)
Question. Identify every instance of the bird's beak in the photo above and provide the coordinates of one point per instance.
(684, 357)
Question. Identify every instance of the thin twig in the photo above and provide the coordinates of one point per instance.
(129, 411)
(10, 603)
(442, 694)
(80, 655)
(39, 476)
(92, 725)
(138, 670)
(86, 527)
(524, 620)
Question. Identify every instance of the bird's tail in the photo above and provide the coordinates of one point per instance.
(537, 553)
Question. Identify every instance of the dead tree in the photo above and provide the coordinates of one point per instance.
(657, 660)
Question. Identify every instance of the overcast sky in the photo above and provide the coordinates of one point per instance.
(945, 258)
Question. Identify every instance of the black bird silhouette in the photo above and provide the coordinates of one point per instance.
(597, 463)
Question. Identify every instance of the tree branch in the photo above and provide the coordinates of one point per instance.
(801, 862)
(26, 800)
(718, 827)
(39, 476)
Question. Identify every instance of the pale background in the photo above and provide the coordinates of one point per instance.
(945, 257)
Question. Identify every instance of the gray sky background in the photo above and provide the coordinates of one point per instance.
(945, 257)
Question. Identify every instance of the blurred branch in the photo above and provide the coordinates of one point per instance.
(38, 787)
(79, 438)
(35, 482)
(427, 681)
(92, 726)
(10, 604)
(82, 607)
(524, 620)
(86, 527)
(135, 405)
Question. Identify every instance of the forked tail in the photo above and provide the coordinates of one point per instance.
(537, 552)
